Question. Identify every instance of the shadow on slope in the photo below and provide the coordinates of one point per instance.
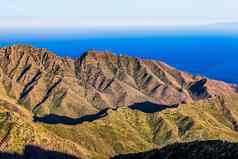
(57, 119)
(198, 90)
(34, 152)
(193, 150)
(148, 107)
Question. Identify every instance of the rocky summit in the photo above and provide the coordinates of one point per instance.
(101, 105)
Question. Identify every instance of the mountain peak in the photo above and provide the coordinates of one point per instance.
(99, 75)
(93, 99)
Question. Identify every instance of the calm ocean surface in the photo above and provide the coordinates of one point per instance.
(212, 55)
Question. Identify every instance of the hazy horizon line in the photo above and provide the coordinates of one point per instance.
(153, 22)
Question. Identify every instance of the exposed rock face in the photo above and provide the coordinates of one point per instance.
(46, 83)
(101, 105)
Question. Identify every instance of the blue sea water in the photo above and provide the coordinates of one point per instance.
(213, 55)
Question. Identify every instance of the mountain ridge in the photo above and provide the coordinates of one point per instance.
(126, 104)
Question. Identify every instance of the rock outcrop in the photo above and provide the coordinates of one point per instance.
(100, 105)
(45, 83)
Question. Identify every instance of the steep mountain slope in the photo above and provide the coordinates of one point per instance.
(128, 130)
(18, 132)
(101, 105)
(45, 83)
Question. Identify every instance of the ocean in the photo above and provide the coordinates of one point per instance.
(213, 55)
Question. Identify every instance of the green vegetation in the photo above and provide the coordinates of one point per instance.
(130, 131)
(123, 130)
(67, 94)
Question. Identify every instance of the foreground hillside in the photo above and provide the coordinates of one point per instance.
(193, 150)
(101, 105)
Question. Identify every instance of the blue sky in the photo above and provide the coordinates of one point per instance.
(115, 13)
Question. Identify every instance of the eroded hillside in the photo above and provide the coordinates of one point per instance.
(101, 105)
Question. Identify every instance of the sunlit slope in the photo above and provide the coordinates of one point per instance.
(101, 105)
(122, 130)
(126, 130)
(17, 132)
